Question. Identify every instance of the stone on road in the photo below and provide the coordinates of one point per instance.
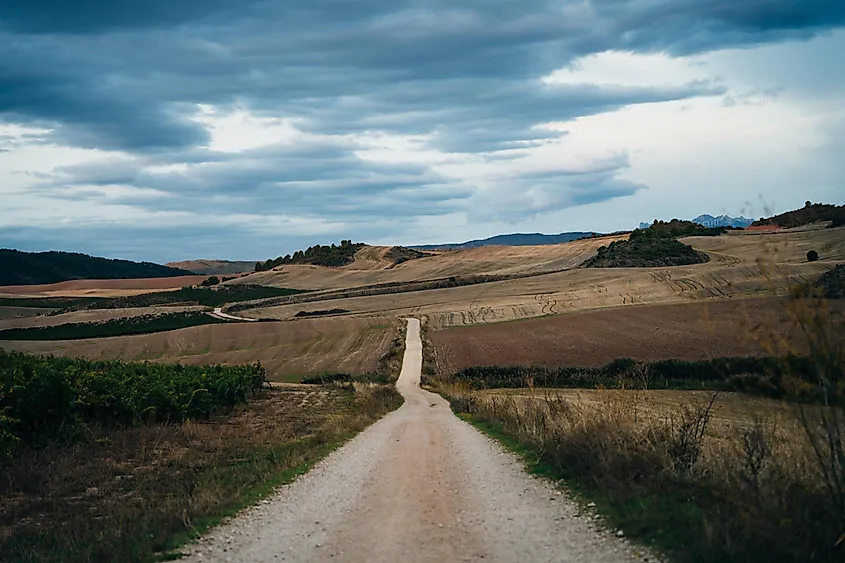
(418, 485)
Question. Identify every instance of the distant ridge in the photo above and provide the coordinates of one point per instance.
(29, 268)
(810, 213)
(720, 221)
(205, 267)
(515, 239)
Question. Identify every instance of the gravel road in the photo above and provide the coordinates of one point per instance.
(418, 485)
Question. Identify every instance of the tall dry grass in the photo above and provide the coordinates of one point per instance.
(749, 491)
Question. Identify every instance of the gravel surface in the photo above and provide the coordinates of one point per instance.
(418, 485)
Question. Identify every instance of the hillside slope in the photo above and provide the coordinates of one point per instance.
(810, 213)
(29, 268)
(214, 267)
(515, 239)
(373, 265)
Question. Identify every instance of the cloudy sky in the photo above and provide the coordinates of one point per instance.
(244, 129)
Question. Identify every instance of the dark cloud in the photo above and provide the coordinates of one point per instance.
(347, 66)
(127, 76)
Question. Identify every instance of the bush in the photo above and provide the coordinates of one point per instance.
(644, 250)
(812, 256)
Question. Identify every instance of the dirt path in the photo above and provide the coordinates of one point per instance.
(419, 485)
(218, 312)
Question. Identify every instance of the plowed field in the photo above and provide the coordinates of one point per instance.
(686, 331)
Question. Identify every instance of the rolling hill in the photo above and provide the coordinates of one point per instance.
(810, 213)
(515, 239)
(30, 268)
(214, 267)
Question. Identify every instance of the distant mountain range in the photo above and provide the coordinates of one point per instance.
(720, 221)
(27, 268)
(515, 239)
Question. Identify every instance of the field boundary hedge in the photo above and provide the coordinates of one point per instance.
(774, 377)
(126, 326)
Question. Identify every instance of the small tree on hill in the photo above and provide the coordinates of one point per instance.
(812, 256)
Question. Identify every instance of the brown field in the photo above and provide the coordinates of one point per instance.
(690, 331)
(94, 315)
(288, 350)
(7, 313)
(99, 288)
(372, 267)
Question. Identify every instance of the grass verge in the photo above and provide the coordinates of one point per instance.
(137, 494)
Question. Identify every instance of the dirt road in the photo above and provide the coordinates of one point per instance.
(419, 485)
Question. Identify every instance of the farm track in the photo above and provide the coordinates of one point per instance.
(418, 486)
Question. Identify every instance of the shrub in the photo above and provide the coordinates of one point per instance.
(812, 256)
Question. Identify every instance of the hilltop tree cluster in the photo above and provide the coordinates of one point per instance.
(656, 246)
(318, 255)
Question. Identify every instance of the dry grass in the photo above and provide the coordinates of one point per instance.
(288, 350)
(735, 482)
(124, 495)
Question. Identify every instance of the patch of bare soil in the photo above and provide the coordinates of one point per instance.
(693, 331)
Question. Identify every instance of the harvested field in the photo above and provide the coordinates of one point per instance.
(372, 265)
(95, 315)
(695, 331)
(784, 247)
(740, 266)
(7, 313)
(289, 350)
(100, 288)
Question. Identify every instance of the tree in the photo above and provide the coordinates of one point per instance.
(812, 256)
